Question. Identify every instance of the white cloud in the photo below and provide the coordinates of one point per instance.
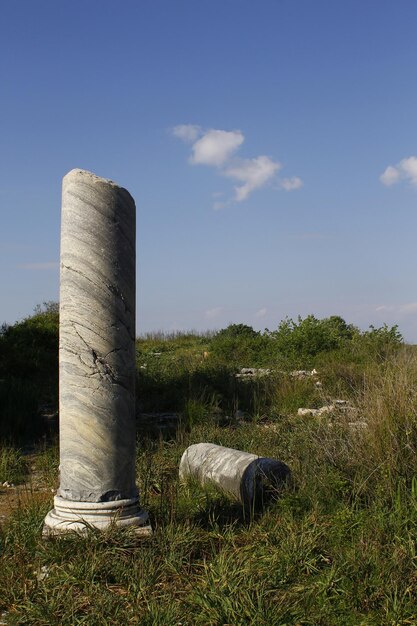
(390, 176)
(409, 167)
(39, 266)
(187, 132)
(261, 313)
(212, 313)
(289, 184)
(254, 173)
(404, 170)
(215, 147)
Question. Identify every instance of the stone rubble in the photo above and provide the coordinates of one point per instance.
(301, 374)
(337, 408)
(253, 372)
(340, 406)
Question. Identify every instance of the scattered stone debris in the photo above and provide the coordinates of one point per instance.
(303, 374)
(253, 372)
(339, 406)
(324, 410)
(7, 484)
(307, 412)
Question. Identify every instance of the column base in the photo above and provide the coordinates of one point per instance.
(69, 516)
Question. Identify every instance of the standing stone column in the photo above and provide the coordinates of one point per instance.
(96, 358)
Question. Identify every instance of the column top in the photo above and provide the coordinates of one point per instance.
(90, 177)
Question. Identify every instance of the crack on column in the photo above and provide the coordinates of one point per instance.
(114, 290)
(91, 330)
(113, 351)
(106, 371)
(78, 355)
(80, 336)
(88, 278)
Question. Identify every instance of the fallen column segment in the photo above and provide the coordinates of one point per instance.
(251, 479)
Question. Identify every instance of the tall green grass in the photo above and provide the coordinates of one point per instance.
(13, 465)
(320, 555)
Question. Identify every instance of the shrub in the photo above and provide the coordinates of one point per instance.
(28, 371)
(298, 344)
(239, 344)
(30, 348)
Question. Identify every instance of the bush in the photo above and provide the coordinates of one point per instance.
(298, 344)
(239, 344)
(28, 372)
(30, 348)
(301, 342)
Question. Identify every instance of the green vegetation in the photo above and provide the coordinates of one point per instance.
(28, 373)
(13, 467)
(339, 546)
(178, 370)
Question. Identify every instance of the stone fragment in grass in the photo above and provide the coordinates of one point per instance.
(307, 412)
(337, 406)
(253, 372)
(252, 479)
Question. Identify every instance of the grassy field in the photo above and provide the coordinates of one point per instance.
(338, 546)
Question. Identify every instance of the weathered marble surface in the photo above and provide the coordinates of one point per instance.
(249, 478)
(78, 516)
(97, 342)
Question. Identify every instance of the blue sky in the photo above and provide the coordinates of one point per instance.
(271, 148)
